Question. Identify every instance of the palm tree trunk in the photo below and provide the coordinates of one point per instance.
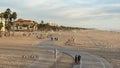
(13, 28)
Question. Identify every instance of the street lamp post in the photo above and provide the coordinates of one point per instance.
(55, 52)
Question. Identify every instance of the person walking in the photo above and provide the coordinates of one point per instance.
(79, 58)
(76, 59)
(52, 38)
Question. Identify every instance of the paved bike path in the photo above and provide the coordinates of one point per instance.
(87, 60)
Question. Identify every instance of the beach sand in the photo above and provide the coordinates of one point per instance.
(21, 52)
(105, 44)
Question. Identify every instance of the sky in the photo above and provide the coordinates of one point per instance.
(100, 14)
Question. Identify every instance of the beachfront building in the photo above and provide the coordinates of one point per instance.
(2, 22)
(53, 24)
(29, 25)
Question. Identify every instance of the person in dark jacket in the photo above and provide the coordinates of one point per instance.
(76, 59)
(52, 38)
(79, 58)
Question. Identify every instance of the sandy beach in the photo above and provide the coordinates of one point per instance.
(102, 43)
(15, 50)
(21, 52)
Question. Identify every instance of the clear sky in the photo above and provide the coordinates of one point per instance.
(101, 14)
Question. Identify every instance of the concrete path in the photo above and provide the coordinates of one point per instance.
(87, 60)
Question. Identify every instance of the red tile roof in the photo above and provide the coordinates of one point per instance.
(23, 21)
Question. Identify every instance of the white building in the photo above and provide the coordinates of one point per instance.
(53, 24)
(3, 22)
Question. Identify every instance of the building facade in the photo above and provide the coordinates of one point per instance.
(2, 21)
(53, 24)
(22, 24)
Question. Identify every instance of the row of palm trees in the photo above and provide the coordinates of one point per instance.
(46, 27)
(10, 18)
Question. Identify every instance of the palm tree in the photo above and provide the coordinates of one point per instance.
(7, 15)
(14, 16)
(1, 25)
(42, 22)
(1, 15)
